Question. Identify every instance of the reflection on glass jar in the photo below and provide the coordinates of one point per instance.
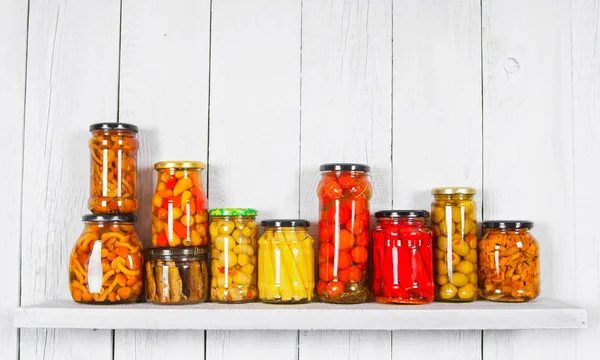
(286, 262)
(454, 224)
(177, 275)
(344, 193)
(113, 166)
(179, 216)
(106, 262)
(233, 232)
(509, 262)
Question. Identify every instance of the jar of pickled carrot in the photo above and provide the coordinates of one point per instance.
(233, 232)
(402, 258)
(509, 262)
(454, 224)
(106, 262)
(286, 262)
(179, 215)
(113, 166)
(344, 193)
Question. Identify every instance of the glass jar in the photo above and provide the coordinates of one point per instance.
(344, 193)
(286, 262)
(106, 262)
(509, 262)
(233, 255)
(177, 276)
(402, 258)
(454, 224)
(113, 166)
(179, 216)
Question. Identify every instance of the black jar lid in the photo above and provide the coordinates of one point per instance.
(401, 214)
(285, 223)
(507, 224)
(170, 252)
(114, 126)
(108, 218)
(345, 167)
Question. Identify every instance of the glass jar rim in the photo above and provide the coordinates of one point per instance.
(179, 164)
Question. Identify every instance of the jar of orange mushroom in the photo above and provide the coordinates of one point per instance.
(509, 263)
(106, 261)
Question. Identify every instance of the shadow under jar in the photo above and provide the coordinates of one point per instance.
(344, 193)
(402, 258)
(233, 232)
(177, 276)
(509, 262)
(106, 262)
(113, 168)
(286, 262)
(454, 225)
(179, 216)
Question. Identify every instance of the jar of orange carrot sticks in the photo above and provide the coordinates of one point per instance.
(509, 263)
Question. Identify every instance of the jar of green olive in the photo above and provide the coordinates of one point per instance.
(233, 233)
(454, 224)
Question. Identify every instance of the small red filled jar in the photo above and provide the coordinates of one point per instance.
(344, 193)
(402, 258)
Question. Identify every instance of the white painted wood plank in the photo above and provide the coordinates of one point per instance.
(73, 58)
(539, 314)
(437, 128)
(13, 46)
(346, 116)
(585, 21)
(164, 91)
(528, 150)
(254, 132)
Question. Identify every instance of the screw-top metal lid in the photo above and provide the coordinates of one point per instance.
(108, 218)
(401, 213)
(507, 224)
(345, 167)
(113, 126)
(179, 164)
(232, 212)
(456, 190)
(285, 223)
(185, 251)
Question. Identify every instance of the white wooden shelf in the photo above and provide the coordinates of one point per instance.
(538, 314)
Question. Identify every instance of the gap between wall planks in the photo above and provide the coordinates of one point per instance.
(254, 134)
(72, 79)
(164, 89)
(528, 151)
(437, 129)
(13, 49)
(346, 116)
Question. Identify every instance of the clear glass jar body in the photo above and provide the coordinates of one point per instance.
(344, 228)
(454, 223)
(286, 265)
(106, 264)
(113, 171)
(402, 261)
(179, 215)
(233, 259)
(509, 265)
(174, 277)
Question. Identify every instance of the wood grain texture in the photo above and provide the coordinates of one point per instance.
(585, 21)
(254, 133)
(13, 46)
(72, 69)
(437, 128)
(164, 90)
(346, 117)
(528, 151)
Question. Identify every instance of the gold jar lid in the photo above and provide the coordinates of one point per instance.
(457, 190)
(179, 164)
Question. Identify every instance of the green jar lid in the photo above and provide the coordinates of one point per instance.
(232, 212)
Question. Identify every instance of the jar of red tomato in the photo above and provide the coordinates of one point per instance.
(344, 194)
(402, 257)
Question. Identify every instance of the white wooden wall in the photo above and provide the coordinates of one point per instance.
(500, 95)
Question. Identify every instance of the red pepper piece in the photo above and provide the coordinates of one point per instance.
(404, 268)
(180, 229)
(170, 184)
(423, 277)
(200, 203)
(426, 254)
(161, 239)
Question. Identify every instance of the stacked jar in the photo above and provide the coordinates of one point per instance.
(344, 193)
(105, 265)
(177, 264)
